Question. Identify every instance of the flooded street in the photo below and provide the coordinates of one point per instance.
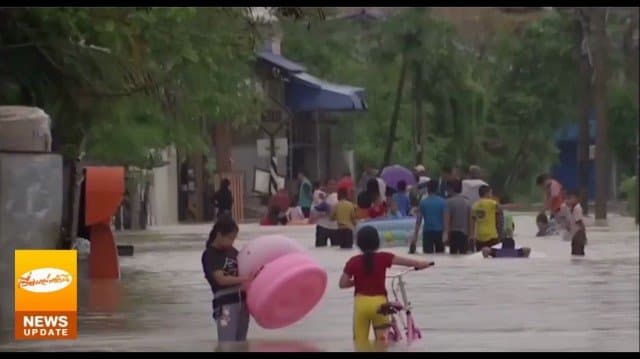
(549, 302)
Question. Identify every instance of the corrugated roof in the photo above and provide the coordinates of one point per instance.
(319, 83)
(308, 93)
(281, 62)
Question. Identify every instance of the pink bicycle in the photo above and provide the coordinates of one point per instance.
(395, 310)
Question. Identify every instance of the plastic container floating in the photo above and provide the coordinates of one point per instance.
(394, 238)
(286, 290)
(392, 232)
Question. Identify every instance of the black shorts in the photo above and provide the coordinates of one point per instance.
(344, 238)
(324, 234)
(432, 242)
(578, 242)
(458, 243)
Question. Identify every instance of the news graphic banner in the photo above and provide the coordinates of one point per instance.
(46, 295)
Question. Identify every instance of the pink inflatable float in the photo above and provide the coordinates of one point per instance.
(286, 290)
(263, 250)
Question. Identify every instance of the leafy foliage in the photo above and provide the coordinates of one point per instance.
(131, 80)
(477, 109)
(623, 124)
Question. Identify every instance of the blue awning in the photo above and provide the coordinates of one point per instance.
(305, 93)
(281, 62)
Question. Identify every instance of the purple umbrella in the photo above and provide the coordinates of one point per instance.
(396, 173)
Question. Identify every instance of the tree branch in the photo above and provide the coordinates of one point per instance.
(51, 61)
(17, 46)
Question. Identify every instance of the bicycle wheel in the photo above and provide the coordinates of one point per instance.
(394, 332)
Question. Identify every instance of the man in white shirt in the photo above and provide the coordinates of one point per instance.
(318, 194)
(325, 227)
(471, 185)
(570, 220)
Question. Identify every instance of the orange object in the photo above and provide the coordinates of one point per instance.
(104, 189)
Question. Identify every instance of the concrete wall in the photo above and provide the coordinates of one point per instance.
(164, 192)
(245, 159)
(30, 216)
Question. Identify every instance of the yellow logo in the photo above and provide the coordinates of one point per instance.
(46, 294)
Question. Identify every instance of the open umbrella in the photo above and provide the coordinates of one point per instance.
(396, 173)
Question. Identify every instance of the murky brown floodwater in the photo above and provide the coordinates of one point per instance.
(547, 302)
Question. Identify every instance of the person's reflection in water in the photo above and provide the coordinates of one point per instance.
(266, 346)
(229, 346)
(282, 346)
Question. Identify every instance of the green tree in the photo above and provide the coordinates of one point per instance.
(121, 83)
(477, 108)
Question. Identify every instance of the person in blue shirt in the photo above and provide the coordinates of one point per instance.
(394, 213)
(401, 198)
(305, 194)
(433, 209)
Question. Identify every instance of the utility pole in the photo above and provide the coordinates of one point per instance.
(600, 50)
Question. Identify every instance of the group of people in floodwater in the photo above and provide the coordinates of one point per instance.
(461, 213)
(458, 212)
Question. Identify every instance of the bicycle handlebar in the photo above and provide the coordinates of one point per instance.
(410, 269)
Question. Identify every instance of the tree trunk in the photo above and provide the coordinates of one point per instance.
(396, 113)
(77, 178)
(223, 144)
(134, 199)
(583, 150)
(600, 61)
(631, 69)
(144, 208)
(419, 119)
(198, 173)
(584, 109)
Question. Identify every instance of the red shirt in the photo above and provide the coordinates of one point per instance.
(280, 200)
(369, 283)
(347, 184)
(378, 210)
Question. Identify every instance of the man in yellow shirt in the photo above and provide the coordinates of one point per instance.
(344, 214)
(484, 216)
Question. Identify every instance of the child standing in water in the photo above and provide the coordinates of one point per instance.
(220, 266)
(544, 227)
(366, 272)
(570, 218)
